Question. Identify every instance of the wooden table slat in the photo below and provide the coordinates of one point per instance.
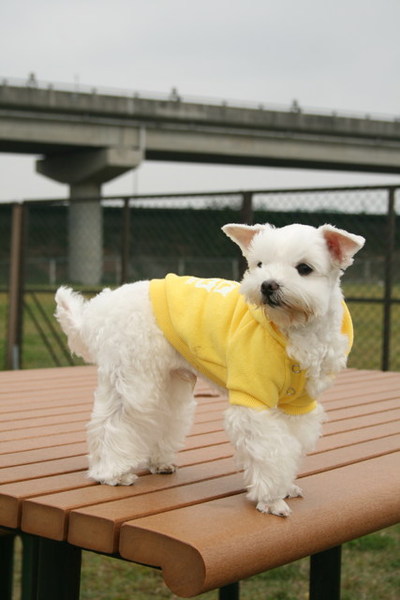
(364, 397)
(55, 509)
(347, 412)
(26, 433)
(26, 425)
(27, 472)
(28, 415)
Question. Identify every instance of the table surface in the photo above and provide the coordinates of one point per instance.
(196, 524)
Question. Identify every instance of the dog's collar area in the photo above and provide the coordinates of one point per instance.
(259, 315)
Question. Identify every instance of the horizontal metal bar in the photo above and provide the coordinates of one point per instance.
(180, 195)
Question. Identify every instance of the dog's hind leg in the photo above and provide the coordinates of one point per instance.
(173, 421)
(118, 436)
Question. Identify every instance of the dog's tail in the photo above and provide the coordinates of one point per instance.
(69, 313)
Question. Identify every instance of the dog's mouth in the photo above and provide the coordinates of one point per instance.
(273, 301)
(271, 294)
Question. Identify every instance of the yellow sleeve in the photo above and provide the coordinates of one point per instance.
(270, 398)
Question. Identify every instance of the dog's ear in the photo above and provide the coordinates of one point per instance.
(242, 235)
(341, 244)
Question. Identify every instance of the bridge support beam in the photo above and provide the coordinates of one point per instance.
(85, 172)
(85, 239)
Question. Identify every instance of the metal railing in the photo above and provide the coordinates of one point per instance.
(175, 95)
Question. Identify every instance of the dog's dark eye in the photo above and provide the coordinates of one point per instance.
(304, 269)
(259, 264)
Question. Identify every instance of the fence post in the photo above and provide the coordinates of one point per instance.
(387, 302)
(246, 214)
(125, 239)
(247, 208)
(15, 290)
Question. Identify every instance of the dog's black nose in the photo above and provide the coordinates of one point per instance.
(269, 287)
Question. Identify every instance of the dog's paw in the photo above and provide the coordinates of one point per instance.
(162, 469)
(275, 507)
(294, 492)
(127, 478)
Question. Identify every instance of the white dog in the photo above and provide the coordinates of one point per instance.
(273, 343)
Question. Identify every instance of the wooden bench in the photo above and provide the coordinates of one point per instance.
(196, 525)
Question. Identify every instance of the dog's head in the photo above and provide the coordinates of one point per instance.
(293, 271)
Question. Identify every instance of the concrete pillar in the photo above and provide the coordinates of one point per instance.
(85, 248)
(85, 172)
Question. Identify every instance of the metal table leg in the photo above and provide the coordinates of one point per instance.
(58, 570)
(325, 574)
(30, 545)
(229, 592)
(6, 565)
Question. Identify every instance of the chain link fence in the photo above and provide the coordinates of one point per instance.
(106, 242)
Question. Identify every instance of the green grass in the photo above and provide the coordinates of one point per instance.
(35, 354)
(370, 571)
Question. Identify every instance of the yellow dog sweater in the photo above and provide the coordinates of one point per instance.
(232, 343)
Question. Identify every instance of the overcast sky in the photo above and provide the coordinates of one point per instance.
(341, 55)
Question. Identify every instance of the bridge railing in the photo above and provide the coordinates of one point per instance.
(147, 236)
(175, 95)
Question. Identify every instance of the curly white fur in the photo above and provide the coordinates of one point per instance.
(144, 403)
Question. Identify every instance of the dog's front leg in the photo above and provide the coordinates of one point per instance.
(269, 455)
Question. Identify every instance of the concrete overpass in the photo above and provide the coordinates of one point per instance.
(85, 139)
(55, 123)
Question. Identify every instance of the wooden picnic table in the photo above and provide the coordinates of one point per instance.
(196, 525)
